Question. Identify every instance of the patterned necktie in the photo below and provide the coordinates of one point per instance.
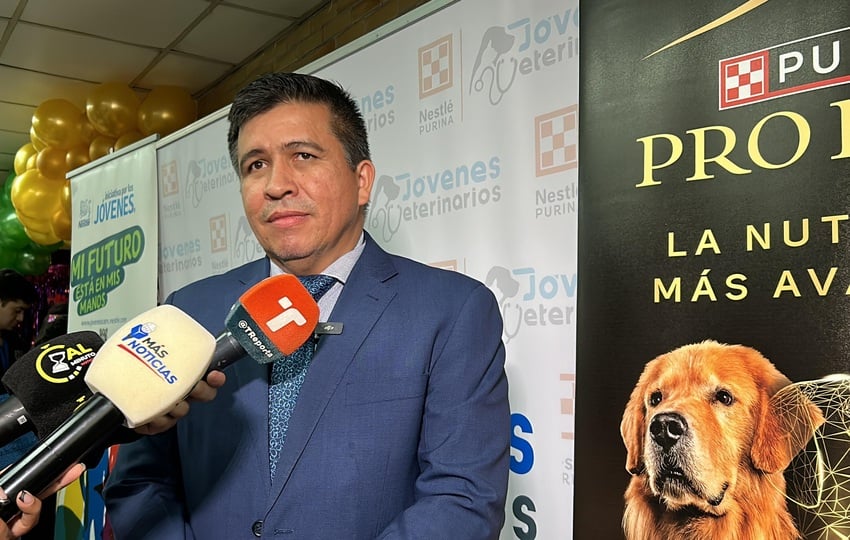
(287, 376)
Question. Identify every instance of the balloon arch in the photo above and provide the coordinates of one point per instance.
(35, 202)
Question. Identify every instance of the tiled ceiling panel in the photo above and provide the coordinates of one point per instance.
(65, 48)
(232, 34)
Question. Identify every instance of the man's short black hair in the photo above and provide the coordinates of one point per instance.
(14, 286)
(272, 89)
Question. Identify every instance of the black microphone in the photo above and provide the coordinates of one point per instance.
(46, 385)
(152, 362)
(147, 366)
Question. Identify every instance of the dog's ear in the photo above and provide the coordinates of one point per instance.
(788, 420)
(633, 430)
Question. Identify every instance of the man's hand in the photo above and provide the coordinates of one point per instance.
(205, 390)
(30, 506)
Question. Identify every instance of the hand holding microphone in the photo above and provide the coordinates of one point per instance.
(147, 365)
(30, 506)
(152, 362)
(270, 320)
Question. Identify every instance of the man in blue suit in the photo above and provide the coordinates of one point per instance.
(402, 424)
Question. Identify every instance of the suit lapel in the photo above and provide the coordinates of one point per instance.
(365, 296)
(247, 371)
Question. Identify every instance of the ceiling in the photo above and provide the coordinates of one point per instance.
(64, 49)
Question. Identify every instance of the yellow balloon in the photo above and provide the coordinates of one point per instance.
(127, 139)
(112, 108)
(87, 131)
(61, 224)
(22, 156)
(34, 224)
(77, 156)
(165, 110)
(35, 196)
(51, 163)
(37, 143)
(42, 238)
(57, 123)
(65, 197)
(31, 162)
(100, 146)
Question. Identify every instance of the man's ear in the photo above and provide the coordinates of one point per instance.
(365, 172)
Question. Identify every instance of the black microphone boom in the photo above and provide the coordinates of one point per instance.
(87, 429)
(46, 385)
(14, 420)
(152, 362)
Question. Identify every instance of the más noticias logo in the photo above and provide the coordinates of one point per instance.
(139, 344)
(794, 67)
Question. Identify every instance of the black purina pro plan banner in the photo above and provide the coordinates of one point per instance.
(714, 186)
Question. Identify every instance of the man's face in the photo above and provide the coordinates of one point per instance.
(11, 313)
(301, 198)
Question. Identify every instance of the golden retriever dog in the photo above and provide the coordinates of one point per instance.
(706, 448)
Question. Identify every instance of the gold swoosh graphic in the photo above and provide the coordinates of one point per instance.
(744, 8)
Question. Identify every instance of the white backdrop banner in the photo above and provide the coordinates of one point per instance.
(472, 116)
(113, 278)
(203, 230)
(114, 226)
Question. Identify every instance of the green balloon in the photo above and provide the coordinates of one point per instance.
(6, 193)
(8, 258)
(41, 249)
(12, 233)
(33, 264)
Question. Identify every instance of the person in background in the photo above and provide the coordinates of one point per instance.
(54, 323)
(17, 295)
(401, 428)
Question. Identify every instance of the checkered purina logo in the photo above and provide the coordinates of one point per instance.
(218, 233)
(436, 72)
(743, 79)
(170, 179)
(556, 141)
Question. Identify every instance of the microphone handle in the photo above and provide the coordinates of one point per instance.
(14, 420)
(88, 428)
(227, 351)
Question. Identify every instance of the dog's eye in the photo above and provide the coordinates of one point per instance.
(724, 397)
(655, 398)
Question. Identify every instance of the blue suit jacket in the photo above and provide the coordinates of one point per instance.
(402, 428)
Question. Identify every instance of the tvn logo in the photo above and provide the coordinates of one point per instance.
(169, 179)
(287, 316)
(798, 66)
(268, 344)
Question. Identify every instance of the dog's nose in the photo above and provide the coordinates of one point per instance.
(667, 428)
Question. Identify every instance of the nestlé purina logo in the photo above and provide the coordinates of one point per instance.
(801, 65)
(436, 67)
